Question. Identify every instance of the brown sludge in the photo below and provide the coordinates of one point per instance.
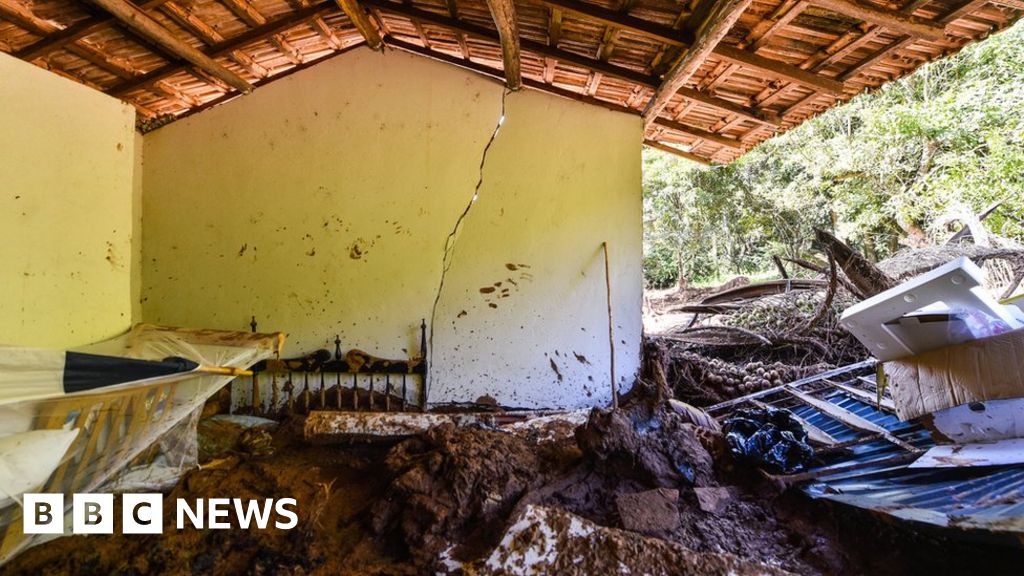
(485, 501)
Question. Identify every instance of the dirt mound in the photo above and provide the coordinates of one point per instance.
(658, 447)
(634, 490)
(453, 484)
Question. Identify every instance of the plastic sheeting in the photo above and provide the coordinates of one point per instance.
(133, 428)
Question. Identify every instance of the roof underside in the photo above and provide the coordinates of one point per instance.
(780, 63)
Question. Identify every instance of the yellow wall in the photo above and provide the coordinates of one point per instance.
(66, 158)
(321, 204)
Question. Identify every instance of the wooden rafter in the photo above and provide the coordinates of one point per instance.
(245, 12)
(362, 22)
(785, 14)
(555, 54)
(503, 12)
(676, 151)
(554, 90)
(272, 27)
(698, 133)
(74, 33)
(135, 19)
(26, 19)
(682, 39)
(210, 36)
(882, 53)
(712, 30)
(325, 32)
(894, 20)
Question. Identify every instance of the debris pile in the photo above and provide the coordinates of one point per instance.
(642, 489)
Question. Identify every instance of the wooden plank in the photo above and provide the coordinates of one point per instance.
(849, 418)
(142, 24)
(895, 20)
(698, 133)
(963, 9)
(245, 11)
(682, 39)
(73, 33)
(499, 74)
(676, 151)
(503, 12)
(276, 26)
(886, 404)
(780, 70)
(553, 53)
(209, 35)
(361, 21)
(763, 32)
(877, 56)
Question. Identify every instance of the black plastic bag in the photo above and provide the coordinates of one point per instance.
(769, 436)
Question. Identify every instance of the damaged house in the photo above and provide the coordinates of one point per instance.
(408, 235)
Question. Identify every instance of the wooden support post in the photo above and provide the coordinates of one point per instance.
(362, 22)
(503, 12)
(611, 331)
(139, 22)
(723, 15)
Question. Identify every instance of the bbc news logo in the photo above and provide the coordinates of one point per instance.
(143, 513)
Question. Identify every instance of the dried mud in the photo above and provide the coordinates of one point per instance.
(443, 501)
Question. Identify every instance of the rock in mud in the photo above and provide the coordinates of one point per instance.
(649, 512)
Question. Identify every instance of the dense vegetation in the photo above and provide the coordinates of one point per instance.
(906, 165)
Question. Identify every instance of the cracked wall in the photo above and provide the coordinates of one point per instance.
(321, 204)
(66, 160)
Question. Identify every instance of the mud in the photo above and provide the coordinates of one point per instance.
(445, 501)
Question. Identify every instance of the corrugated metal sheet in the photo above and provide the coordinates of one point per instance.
(870, 471)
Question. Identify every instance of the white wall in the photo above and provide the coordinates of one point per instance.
(66, 162)
(321, 204)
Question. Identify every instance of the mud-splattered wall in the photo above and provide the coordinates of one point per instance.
(66, 161)
(321, 204)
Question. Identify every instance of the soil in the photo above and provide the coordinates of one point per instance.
(446, 498)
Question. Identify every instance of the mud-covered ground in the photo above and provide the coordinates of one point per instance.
(443, 500)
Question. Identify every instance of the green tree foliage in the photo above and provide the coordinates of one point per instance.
(907, 163)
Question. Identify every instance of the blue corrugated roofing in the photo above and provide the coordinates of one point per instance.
(872, 472)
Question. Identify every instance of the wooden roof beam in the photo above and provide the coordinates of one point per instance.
(676, 151)
(717, 24)
(74, 33)
(763, 32)
(209, 35)
(278, 25)
(362, 22)
(884, 52)
(26, 19)
(894, 20)
(500, 75)
(139, 22)
(698, 133)
(683, 39)
(503, 12)
(593, 64)
(245, 12)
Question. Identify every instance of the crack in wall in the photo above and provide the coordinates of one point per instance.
(450, 241)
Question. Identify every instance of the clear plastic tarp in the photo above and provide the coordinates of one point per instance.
(116, 415)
